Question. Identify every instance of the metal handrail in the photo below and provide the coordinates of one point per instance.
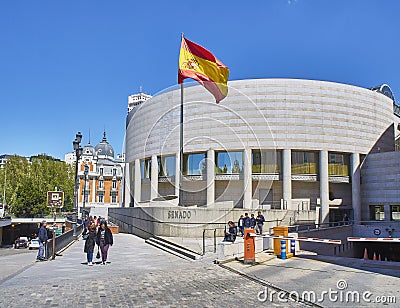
(62, 241)
(309, 227)
(215, 239)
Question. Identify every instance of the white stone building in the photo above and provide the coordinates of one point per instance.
(272, 143)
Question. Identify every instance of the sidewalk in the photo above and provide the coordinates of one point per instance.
(320, 274)
(137, 275)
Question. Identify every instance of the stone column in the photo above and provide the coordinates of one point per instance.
(247, 179)
(177, 173)
(287, 177)
(324, 186)
(355, 186)
(137, 192)
(154, 177)
(210, 177)
(388, 214)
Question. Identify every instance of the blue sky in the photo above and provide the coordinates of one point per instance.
(70, 65)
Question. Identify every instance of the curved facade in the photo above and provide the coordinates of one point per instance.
(272, 142)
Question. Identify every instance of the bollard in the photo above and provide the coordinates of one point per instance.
(249, 247)
(283, 249)
(293, 247)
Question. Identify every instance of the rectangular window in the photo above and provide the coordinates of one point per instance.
(114, 199)
(377, 212)
(229, 162)
(101, 184)
(194, 164)
(101, 198)
(395, 212)
(101, 171)
(338, 164)
(114, 184)
(304, 162)
(266, 161)
(145, 168)
(166, 165)
(114, 172)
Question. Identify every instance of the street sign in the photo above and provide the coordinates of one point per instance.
(55, 199)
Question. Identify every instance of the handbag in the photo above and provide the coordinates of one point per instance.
(98, 253)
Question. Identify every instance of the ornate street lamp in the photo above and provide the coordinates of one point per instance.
(78, 153)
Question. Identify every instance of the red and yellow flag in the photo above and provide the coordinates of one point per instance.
(201, 65)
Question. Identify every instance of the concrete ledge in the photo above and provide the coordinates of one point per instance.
(227, 250)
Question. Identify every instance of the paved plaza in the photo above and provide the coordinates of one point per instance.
(138, 275)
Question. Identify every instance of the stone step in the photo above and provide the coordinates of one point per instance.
(173, 248)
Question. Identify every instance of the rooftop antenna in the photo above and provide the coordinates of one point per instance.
(89, 136)
(140, 89)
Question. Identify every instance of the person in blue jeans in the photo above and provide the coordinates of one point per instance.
(90, 243)
(43, 238)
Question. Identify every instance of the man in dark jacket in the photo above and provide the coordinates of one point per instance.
(246, 221)
(42, 236)
(231, 232)
(260, 223)
(252, 221)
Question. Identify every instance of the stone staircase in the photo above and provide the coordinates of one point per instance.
(173, 248)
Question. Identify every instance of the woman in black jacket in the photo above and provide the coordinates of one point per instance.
(104, 240)
(90, 242)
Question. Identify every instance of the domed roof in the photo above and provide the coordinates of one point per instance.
(104, 148)
(88, 149)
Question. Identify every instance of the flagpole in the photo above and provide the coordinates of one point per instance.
(180, 203)
(181, 151)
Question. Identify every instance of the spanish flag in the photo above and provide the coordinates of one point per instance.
(201, 65)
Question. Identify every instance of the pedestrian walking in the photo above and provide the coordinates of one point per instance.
(85, 224)
(43, 238)
(252, 221)
(90, 242)
(104, 239)
(241, 225)
(259, 223)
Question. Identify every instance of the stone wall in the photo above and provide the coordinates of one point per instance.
(186, 221)
(380, 182)
(265, 113)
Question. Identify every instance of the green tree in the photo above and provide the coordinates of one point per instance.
(29, 181)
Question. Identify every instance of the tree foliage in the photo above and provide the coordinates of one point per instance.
(29, 181)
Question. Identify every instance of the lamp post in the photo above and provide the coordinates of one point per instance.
(4, 191)
(86, 171)
(78, 153)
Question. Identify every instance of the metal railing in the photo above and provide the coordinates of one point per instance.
(277, 221)
(313, 227)
(214, 236)
(62, 241)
